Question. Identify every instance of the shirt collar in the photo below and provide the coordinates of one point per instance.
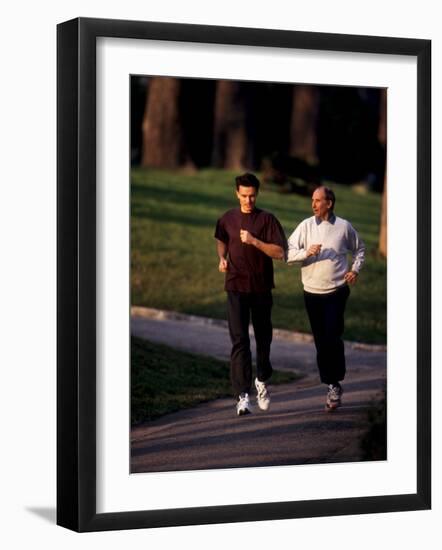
(331, 219)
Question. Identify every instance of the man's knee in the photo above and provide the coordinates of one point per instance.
(240, 341)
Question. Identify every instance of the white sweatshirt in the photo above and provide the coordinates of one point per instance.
(325, 273)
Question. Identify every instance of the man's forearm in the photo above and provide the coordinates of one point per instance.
(296, 254)
(273, 250)
(221, 249)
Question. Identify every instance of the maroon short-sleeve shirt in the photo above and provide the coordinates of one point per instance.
(249, 269)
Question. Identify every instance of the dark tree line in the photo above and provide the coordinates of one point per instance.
(240, 125)
(287, 131)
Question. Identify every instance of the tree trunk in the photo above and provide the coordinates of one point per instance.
(163, 144)
(303, 131)
(230, 133)
(382, 128)
(383, 229)
(382, 137)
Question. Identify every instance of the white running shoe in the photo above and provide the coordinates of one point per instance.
(263, 395)
(334, 396)
(243, 405)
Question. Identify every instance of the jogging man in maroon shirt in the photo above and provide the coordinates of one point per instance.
(247, 240)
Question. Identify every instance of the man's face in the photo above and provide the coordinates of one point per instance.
(247, 198)
(320, 205)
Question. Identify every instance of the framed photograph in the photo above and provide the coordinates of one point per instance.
(155, 122)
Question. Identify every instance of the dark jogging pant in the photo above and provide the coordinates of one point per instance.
(326, 314)
(241, 306)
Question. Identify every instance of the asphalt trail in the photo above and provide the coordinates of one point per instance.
(296, 429)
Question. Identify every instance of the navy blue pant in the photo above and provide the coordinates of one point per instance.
(326, 314)
(241, 306)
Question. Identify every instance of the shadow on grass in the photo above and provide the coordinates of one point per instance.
(218, 204)
(374, 442)
(180, 197)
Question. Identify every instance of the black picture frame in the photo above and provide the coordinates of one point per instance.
(77, 287)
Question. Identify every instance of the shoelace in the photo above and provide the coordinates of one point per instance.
(334, 393)
(262, 390)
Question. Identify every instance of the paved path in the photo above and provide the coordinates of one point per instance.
(296, 430)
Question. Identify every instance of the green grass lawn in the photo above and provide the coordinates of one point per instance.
(165, 380)
(174, 265)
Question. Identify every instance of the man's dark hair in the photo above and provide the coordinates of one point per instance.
(329, 195)
(247, 180)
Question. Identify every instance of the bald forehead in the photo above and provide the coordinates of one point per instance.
(319, 193)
